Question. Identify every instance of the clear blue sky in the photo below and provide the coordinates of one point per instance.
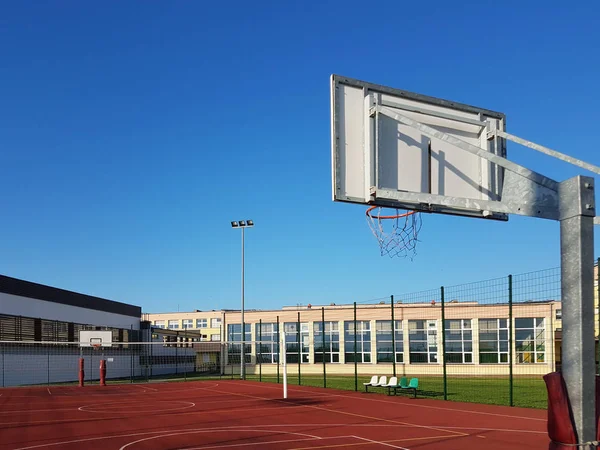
(132, 133)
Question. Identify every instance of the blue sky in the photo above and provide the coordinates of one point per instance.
(132, 133)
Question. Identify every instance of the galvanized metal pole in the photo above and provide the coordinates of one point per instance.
(577, 211)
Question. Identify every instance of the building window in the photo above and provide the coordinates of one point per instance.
(422, 335)
(159, 323)
(201, 323)
(267, 348)
(215, 323)
(530, 342)
(558, 314)
(293, 348)
(215, 337)
(459, 341)
(173, 324)
(493, 341)
(188, 323)
(363, 341)
(385, 344)
(234, 334)
(331, 349)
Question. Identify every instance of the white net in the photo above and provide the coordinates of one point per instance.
(396, 232)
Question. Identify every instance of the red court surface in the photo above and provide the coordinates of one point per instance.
(234, 414)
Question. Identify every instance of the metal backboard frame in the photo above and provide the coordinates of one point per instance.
(89, 337)
(381, 155)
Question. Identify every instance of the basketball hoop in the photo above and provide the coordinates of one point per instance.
(96, 343)
(397, 233)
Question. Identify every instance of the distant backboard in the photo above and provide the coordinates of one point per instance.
(397, 149)
(89, 338)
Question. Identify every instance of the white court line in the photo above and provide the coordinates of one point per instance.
(416, 406)
(25, 411)
(239, 427)
(109, 406)
(49, 391)
(115, 417)
(270, 442)
(166, 433)
(144, 387)
(381, 443)
(363, 416)
(216, 431)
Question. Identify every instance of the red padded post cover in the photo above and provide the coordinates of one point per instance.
(561, 429)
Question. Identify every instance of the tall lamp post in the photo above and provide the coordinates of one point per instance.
(243, 224)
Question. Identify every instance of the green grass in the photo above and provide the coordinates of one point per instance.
(527, 392)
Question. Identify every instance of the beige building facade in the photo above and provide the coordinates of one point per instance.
(477, 339)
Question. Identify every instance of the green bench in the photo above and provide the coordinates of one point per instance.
(404, 384)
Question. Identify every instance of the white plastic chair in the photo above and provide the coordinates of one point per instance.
(392, 384)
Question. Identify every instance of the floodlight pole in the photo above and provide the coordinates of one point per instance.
(243, 356)
(243, 224)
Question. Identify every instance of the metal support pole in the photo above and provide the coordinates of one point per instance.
(242, 361)
(259, 349)
(577, 211)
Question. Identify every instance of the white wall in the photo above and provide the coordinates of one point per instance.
(29, 307)
(27, 364)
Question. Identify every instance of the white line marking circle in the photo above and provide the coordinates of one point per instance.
(120, 407)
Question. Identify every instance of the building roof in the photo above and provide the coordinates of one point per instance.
(28, 289)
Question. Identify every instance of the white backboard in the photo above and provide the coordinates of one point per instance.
(89, 337)
(395, 148)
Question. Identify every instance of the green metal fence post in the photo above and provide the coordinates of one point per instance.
(48, 360)
(510, 342)
(299, 349)
(2, 351)
(443, 299)
(185, 357)
(323, 335)
(260, 350)
(131, 356)
(355, 361)
(279, 362)
(393, 335)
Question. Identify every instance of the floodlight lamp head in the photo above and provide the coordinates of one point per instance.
(250, 223)
(242, 223)
(234, 224)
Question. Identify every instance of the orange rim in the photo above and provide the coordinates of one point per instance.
(397, 216)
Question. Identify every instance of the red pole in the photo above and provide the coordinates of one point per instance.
(102, 372)
(81, 372)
